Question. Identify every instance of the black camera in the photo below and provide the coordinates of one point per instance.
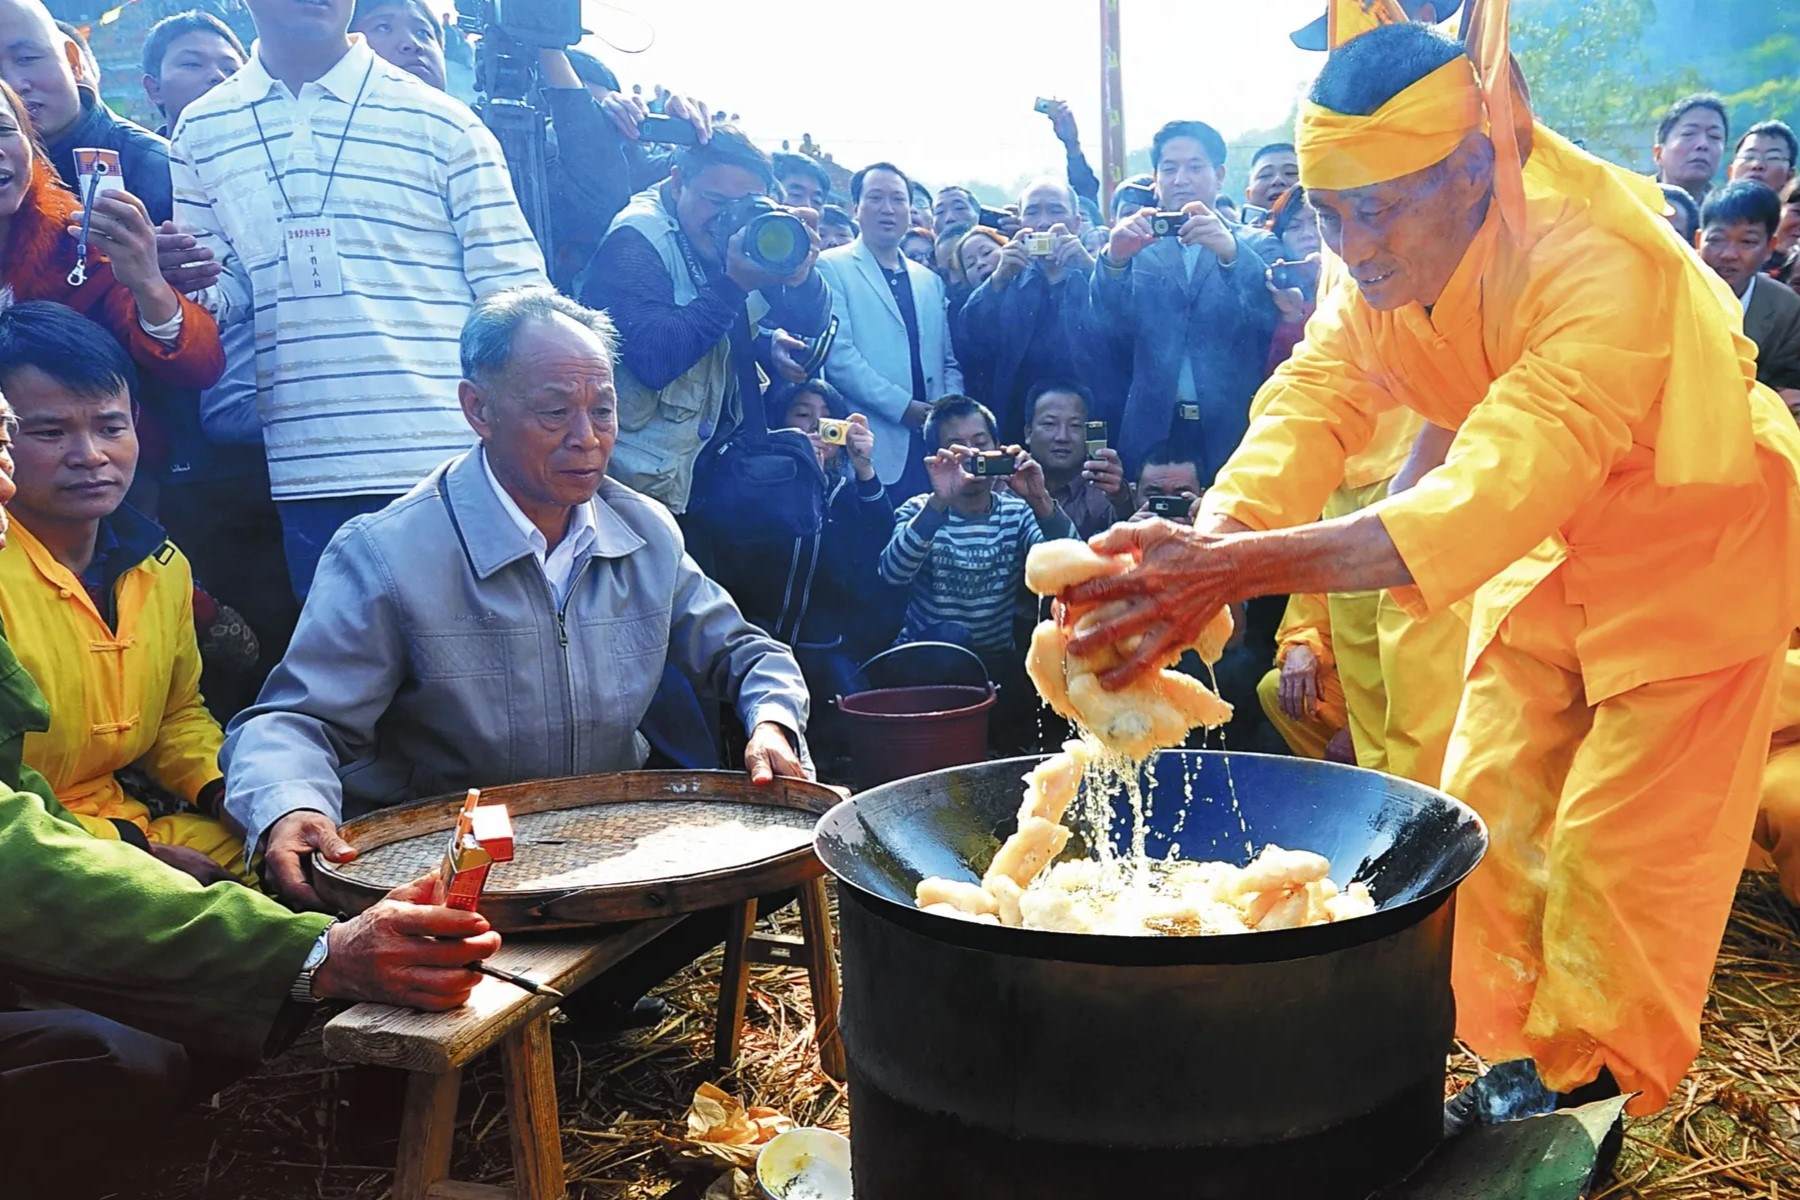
(1171, 508)
(992, 217)
(993, 462)
(1167, 224)
(774, 238)
(1303, 275)
(539, 24)
(667, 130)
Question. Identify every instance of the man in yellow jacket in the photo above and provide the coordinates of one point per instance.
(1619, 496)
(1397, 675)
(99, 604)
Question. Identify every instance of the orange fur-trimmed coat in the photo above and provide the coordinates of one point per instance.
(35, 264)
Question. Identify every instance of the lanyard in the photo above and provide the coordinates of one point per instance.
(342, 138)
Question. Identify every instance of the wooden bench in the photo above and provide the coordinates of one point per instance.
(433, 1048)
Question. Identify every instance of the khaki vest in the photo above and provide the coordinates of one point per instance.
(660, 428)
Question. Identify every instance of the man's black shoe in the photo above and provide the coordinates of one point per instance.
(1509, 1091)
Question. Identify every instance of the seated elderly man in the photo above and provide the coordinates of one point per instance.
(507, 619)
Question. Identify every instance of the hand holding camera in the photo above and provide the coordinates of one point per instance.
(1204, 227)
(1028, 484)
(859, 442)
(683, 121)
(789, 354)
(1066, 253)
(1062, 119)
(768, 245)
(1015, 260)
(1133, 234)
(1292, 285)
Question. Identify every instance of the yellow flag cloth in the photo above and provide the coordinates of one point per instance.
(1346, 19)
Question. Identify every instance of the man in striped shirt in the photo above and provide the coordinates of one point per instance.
(960, 549)
(358, 213)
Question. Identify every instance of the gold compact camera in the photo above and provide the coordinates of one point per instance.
(834, 432)
(1096, 438)
(1040, 245)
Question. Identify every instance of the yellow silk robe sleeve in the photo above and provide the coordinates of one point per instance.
(1550, 428)
(1315, 412)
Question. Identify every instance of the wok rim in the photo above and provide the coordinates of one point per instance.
(1275, 945)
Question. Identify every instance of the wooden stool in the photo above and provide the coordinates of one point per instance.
(433, 1048)
(813, 950)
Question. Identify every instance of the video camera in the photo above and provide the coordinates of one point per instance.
(509, 31)
(506, 73)
(540, 24)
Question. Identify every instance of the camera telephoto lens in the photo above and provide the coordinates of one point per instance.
(777, 242)
(774, 239)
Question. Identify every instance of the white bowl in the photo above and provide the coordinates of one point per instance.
(805, 1164)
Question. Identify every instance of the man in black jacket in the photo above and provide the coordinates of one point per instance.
(41, 62)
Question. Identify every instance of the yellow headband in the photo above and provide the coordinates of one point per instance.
(1416, 128)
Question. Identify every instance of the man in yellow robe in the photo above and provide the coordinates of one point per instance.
(1619, 497)
(1303, 696)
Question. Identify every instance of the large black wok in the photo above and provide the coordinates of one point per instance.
(1001, 1063)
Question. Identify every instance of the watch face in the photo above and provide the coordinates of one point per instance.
(317, 954)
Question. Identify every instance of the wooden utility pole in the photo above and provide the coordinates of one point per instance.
(1112, 106)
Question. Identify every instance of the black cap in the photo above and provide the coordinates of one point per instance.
(1312, 37)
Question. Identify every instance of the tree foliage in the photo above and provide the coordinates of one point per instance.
(1594, 78)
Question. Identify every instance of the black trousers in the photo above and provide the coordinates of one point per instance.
(82, 1099)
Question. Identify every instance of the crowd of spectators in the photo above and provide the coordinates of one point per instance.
(331, 492)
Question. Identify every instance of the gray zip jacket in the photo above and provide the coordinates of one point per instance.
(432, 657)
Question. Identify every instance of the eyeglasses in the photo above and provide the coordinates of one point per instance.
(9, 428)
(1772, 158)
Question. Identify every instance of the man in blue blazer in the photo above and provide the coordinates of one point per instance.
(892, 358)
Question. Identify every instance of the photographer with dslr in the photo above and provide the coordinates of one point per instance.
(707, 279)
(1185, 287)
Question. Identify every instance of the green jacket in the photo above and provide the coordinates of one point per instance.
(103, 926)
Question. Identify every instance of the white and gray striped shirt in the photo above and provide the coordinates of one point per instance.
(357, 392)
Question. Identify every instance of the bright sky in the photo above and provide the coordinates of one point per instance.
(945, 87)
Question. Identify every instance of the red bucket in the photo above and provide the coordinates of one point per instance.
(897, 732)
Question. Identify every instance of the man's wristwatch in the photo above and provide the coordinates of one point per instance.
(301, 990)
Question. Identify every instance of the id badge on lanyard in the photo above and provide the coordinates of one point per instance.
(312, 256)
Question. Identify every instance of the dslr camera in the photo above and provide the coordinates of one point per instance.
(774, 238)
(987, 463)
